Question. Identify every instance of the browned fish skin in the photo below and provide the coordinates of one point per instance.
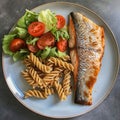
(73, 49)
(90, 48)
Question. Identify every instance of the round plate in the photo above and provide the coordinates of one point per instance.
(52, 107)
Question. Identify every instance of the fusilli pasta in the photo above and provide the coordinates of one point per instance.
(59, 90)
(61, 63)
(36, 77)
(35, 93)
(38, 64)
(29, 79)
(66, 82)
(49, 91)
(46, 75)
(65, 58)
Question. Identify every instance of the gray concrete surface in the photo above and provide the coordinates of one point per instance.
(10, 11)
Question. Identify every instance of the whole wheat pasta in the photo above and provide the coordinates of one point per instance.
(38, 64)
(65, 58)
(66, 82)
(49, 64)
(36, 77)
(29, 79)
(49, 91)
(53, 73)
(28, 63)
(35, 93)
(49, 78)
(59, 90)
(61, 63)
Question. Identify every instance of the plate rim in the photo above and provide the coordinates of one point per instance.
(116, 73)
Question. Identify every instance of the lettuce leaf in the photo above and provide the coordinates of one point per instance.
(27, 18)
(30, 17)
(48, 18)
(60, 54)
(32, 40)
(45, 52)
(52, 52)
(38, 54)
(21, 22)
(21, 32)
(60, 33)
(19, 55)
(6, 43)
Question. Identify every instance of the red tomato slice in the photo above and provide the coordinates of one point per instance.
(32, 48)
(62, 45)
(46, 39)
(60, 21)
(16, 44)
(36, 29)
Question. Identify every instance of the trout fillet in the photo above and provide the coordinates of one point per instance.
(86, 50)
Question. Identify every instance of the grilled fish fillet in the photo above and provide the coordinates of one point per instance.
(86, 50)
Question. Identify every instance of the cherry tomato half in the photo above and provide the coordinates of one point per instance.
(60, 21)
(16, 44)
(32, 48)
(36, 29)
(46, 39)
(62, 45)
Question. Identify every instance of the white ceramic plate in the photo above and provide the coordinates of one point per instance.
(52, 107)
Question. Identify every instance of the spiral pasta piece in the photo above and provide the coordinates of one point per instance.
(28, 63)
(49, 78)
(38, 64)
(49, 64)
(35, 93)
(36, 77)
(53, 73)
(66, 82)
(60, 90)
(61, 63)
(65, 58)
(49, 91)
(29, 79)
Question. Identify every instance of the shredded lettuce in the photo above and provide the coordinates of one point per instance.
(48, 18)
(60, 54)
(53, 52)
(31, 40)
(21, 22)
(20, 54)
(45, 52)
(38, 54)
(27, 18)
(60, 33)
(6, 43)
(21, 32)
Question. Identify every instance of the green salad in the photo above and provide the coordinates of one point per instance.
(45, 34)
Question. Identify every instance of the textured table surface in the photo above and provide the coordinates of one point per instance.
(10, 11)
